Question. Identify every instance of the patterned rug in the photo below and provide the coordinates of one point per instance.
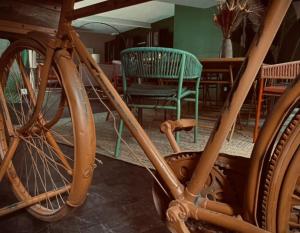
(240, 144)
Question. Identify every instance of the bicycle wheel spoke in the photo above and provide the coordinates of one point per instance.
(39, 176)
(63, 178)
(5, 109)
(17, 100)
(62, 138)
(42, 153)
(47, 172)
(58, 152)
(49, 157)
(26, 79)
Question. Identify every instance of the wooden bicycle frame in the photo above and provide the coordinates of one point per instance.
(185, 197)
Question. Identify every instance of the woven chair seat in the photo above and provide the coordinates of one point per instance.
(152, 90)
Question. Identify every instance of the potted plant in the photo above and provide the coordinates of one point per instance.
(230, 14)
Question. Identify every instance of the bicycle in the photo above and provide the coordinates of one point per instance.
(260, 194)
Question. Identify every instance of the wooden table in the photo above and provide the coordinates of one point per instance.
(220, 71)
(222, 65)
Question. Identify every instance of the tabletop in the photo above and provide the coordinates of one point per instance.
(219, 62)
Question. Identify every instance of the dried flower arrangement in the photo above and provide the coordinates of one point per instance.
(231, 13)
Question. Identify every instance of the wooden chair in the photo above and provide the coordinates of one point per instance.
(150, 66)
(273, 80)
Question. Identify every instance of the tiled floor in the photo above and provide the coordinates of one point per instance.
(119, 201)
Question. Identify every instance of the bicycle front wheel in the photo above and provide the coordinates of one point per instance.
(53, 159)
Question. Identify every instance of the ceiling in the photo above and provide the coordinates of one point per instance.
(128, 18)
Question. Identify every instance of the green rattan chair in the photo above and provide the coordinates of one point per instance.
(149, 66)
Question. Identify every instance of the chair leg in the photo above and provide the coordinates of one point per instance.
(140, 115)
(165, 114)
(178, 111)
(107, 116)
(205, 95)
(196, 116)
(118, 143)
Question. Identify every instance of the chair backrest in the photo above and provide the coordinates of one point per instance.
(280, 73)
(161, 63)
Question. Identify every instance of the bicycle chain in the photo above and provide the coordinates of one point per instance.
(273, 165)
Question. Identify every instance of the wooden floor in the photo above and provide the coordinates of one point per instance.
(119, 201)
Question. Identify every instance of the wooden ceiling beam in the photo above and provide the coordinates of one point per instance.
(21, 28)
(102, 7)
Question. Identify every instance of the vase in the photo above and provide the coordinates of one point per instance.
(226, 48)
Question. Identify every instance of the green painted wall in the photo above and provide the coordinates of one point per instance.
(195, 31)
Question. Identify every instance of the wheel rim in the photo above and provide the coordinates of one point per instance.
(277, 185)
(40, 165)
(288, 214)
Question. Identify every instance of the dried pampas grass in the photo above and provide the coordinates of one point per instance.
(230, 14)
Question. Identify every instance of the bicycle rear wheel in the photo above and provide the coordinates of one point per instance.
(53, 159)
